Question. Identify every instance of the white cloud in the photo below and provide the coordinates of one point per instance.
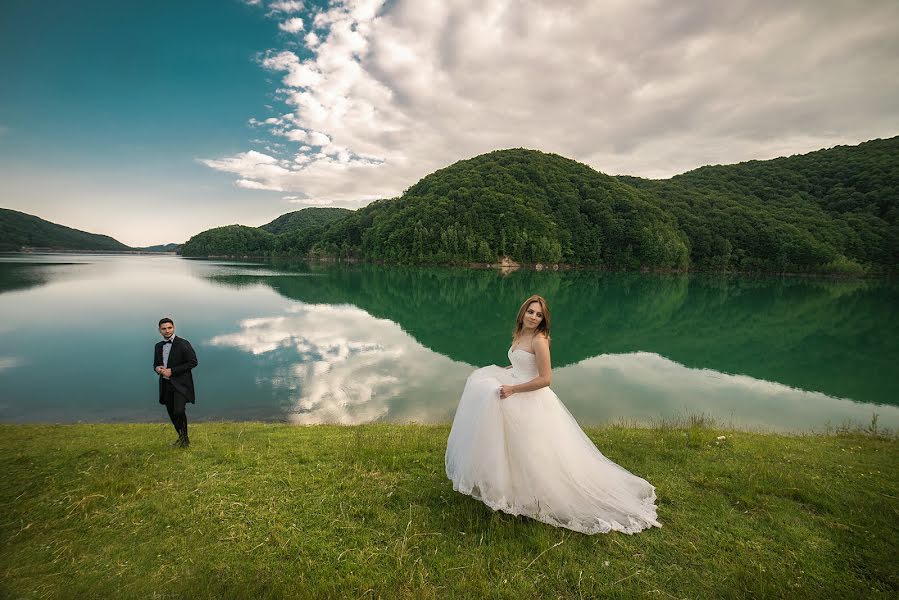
(281, 61)
(257, 171)
(317, 138)
(293, 25)
(299, 74)
(296, 135)
(311, 201)
(286, 6)
(245, 160)
(644, 88)
(249, 184)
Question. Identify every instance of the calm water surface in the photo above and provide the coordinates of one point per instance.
(359, 344)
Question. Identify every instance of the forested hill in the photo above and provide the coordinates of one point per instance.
(529, 206)
(19, 230)
(300, 219)
(281, 237)
(832, 210)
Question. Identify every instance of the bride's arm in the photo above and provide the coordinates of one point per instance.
(544, 371)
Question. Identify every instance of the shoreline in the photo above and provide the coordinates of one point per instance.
(32, 251)
(504, 267)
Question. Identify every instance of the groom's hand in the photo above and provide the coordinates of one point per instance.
(167, 372)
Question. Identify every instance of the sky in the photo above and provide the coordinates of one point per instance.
(154, 121)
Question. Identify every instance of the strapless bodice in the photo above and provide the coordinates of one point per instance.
(524, 364)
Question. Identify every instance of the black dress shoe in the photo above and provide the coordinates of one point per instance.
(184, 443)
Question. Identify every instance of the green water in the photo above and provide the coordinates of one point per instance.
(362, 343)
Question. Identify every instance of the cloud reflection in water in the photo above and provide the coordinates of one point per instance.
(644, 386)
(341, 365)
(10, 362)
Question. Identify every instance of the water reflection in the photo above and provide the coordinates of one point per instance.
(317, 344)
(9, 362)
(19, 274)
(339, 364)
(840, 338)
(645, 387)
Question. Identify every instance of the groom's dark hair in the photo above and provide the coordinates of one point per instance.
(165, 320)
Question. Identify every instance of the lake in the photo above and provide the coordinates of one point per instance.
(324, 343)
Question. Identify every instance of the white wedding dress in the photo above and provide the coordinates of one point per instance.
(526, 455)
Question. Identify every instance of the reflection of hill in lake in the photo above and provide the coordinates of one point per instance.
(18, 276)
(836, 337)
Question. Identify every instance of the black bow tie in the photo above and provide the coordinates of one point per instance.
(167, 341)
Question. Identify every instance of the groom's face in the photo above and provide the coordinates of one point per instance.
(167, 329)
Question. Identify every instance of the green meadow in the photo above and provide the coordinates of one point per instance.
(256, 510)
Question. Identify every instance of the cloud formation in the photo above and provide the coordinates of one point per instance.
(308, 201)
(286, 6)
(381, 94)
(293, 25)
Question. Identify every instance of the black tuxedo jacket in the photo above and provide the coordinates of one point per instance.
(182, 359)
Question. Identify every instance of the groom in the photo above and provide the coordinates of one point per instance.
(173, 359)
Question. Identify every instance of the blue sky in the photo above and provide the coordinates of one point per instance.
(153, 121)
(107, 105)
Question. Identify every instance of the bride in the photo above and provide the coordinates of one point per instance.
(516, 448)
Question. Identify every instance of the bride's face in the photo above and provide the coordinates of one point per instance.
(533, 316)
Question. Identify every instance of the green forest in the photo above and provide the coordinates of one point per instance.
(301, 219)
(833, 210)
(281, 237)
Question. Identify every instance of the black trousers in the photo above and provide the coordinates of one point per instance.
(175, 403)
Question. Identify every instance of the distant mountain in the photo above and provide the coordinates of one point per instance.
(160, 248)
(230, 240)
(312, 216)
(19, 230)
(300, 227)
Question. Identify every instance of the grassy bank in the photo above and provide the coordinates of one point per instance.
(269, 511)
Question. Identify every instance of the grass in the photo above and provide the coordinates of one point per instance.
(272, 511)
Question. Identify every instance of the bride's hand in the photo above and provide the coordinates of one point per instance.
(505, 391)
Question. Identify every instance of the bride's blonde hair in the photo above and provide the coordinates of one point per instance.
(543, 327)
